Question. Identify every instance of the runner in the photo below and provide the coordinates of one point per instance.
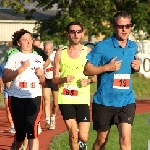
(50, 87)
(24, 69)
(114, 60)
(40, 52)
(4, 90)
(74, 91)
(37, 42)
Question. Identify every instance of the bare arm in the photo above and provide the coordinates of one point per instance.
(90, 69)
(93, 78)
(56, 79)
(9, 75)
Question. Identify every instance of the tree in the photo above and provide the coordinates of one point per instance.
(95, 15)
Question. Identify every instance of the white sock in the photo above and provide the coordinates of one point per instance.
(48, 120)
(53, 116)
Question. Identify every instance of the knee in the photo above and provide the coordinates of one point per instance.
(83, 138)
(46, 101)
(74, 137)
(125, 141)
(101, 142)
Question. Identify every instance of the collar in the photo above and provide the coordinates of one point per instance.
(116, 44)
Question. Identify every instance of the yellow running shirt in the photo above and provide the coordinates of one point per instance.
(73, 93)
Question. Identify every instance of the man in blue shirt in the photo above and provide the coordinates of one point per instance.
(5, 92)
(113, 61)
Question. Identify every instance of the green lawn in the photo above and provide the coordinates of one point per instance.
(140, 136)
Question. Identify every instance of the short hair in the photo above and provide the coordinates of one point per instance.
(17, 35)
(121, 14)
(74, 23)
(36, 39)
(47, 42)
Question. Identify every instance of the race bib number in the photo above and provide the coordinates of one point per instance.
(26, 84)
(70, 91)
(49, 69)
(121, 81)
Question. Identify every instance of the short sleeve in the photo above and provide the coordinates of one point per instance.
(95, 55)
(10, 64)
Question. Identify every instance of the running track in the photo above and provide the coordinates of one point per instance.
(46, 136)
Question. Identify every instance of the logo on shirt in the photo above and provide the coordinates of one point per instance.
(37, 61)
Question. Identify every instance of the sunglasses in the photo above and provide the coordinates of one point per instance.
(75, 31)
(127, 26)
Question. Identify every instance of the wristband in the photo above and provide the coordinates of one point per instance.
(91, 81)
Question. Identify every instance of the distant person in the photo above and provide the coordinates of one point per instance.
(50, 88)
(113, 61)
(37, 42)
(4, 90)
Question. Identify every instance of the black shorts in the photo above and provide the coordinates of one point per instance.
(49, 84)
(26, 114)
(105, 116)
(80, 112)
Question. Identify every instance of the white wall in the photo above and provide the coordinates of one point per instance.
(144, 56)
(7, 28)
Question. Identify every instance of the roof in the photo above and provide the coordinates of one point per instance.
(9, 14)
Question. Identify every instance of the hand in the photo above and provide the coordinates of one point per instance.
(39, 72)
(84, 82)
(25, 64)
(69, 78)
(135, 64)
(113, 65)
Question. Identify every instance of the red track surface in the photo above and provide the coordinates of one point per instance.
(46, 136)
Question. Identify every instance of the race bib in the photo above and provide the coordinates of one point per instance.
(121, 81)
(49, 69)
(70, 91)
(26, 84)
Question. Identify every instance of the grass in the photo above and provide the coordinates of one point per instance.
(140, 136)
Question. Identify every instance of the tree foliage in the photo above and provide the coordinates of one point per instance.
(95, 15)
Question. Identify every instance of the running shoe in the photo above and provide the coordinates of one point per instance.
(52, 125)
(39, 129)
(12, 130)
(13, 145)
(82, 146)
(47, 126)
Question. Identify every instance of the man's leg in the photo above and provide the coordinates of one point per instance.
(126, 118)
(46, 98)
(83, 119)
(68, 112)
(103, 118)
(101, 140)
(54, 109)
(83, 134)
(124, 136)
(72, 126)
(12, 129)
